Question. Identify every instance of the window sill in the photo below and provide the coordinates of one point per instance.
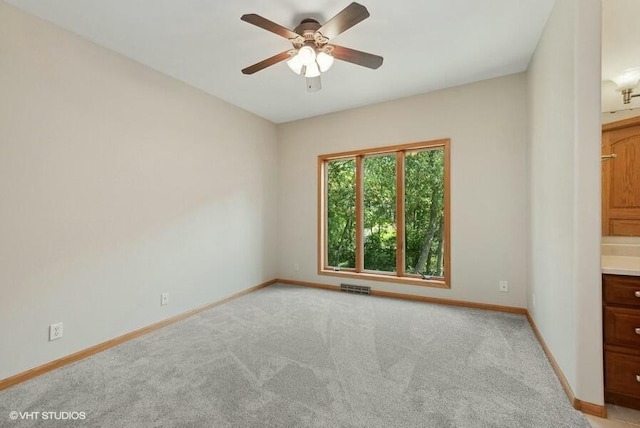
(386, 278)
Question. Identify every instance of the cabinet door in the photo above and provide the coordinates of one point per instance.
(621, 290)
(622, 326)
(621, 181)
(621, 374)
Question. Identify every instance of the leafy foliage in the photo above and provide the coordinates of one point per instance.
(424, 212)
(380, 213)
(341, 204)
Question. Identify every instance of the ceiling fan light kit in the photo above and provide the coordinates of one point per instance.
(307, 55)
(310, 64)
(312, 54)
(325, 61)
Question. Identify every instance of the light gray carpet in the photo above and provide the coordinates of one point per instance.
(291, 356)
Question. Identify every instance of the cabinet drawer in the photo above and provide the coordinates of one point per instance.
(622, 326)
(622, 373)
(621, 290)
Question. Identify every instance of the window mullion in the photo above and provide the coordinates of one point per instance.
(359, 214)
(400, 213)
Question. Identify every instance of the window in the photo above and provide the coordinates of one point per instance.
(384, 214)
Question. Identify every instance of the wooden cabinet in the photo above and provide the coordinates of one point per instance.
(621, 178)
(621, 309)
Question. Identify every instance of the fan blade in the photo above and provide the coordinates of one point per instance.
(345, 19)
(267, 62)
(356, 57)
(265, 24)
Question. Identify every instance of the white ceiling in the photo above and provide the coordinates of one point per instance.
(620, 48)
(426, 45)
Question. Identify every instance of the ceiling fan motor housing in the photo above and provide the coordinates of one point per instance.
(308, 29)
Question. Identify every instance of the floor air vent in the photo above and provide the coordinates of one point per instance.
(355, 289)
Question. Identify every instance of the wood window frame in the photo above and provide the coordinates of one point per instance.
(400, 276)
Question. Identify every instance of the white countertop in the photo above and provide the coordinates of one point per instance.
(621, 265)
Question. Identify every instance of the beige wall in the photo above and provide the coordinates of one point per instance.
(551, 169)
(118, 183)
(486, 122)
(587, 227)
(564, 193)
(619, 115)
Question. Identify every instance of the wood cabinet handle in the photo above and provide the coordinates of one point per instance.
(637, 330)
(638, 378)
(637, 293)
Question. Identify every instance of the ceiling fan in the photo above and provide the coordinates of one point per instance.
(312, 54)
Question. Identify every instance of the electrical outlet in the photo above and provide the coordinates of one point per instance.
(296, 266)
(55, 331)
(164, 299)
(504, 286)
